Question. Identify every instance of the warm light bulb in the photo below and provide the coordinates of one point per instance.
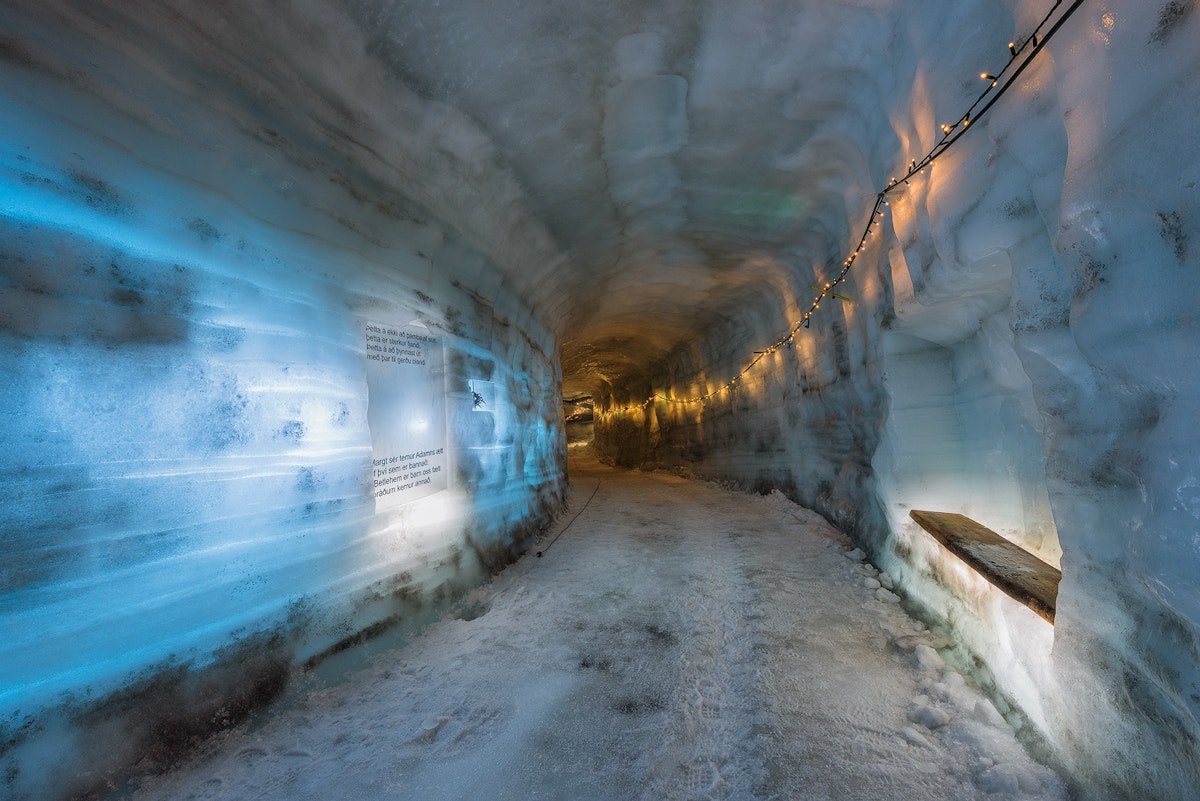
(947, 128)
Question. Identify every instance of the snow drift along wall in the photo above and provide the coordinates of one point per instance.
(263, 395)
(1018, 350)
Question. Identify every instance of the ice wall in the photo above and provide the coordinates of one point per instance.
(1018, 351)
(197, 240)
(1111, 363)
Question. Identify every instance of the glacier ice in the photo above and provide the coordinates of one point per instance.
(202, 211)
(648, 655)
(1018, 356)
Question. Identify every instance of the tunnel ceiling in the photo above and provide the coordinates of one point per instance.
(641, 173)
(676, 152)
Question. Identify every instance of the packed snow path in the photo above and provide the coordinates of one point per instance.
(679, 641)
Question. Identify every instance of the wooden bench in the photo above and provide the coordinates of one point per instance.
(1015, 571)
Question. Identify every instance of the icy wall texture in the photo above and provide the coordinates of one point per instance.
(191, 250)
(1019, 350)
(203, 204)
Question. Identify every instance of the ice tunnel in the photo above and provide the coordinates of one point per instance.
(292, 293)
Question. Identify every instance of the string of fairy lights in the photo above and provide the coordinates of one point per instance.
(1021, 54)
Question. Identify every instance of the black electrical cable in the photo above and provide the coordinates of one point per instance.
(942, 146)
(951, 134)
(573, 519)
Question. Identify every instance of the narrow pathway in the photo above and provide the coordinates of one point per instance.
(679, 641)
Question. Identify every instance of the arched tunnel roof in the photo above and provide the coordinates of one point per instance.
(677, 153)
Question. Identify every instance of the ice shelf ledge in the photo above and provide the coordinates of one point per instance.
(1015, 571)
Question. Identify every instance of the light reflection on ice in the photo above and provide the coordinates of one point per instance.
(680, 641)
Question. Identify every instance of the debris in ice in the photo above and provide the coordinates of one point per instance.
(928, 716)
(430, 728)
(927, 658)
(886, 596)
(1008, 781)
(914, 737)
(908, 642)
(985, 712)
(953, 680)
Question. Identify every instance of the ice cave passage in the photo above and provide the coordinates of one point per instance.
(303, 301)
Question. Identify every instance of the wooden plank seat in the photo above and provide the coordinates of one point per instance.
(1015, 571)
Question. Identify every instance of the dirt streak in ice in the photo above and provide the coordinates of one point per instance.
(681, 641)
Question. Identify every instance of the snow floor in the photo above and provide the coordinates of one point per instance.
(679, 641)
